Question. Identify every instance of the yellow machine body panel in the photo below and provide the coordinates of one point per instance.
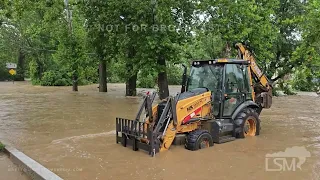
(193, 107)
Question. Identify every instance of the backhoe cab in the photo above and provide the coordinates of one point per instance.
(220, 101)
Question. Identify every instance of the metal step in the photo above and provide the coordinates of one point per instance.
(225, 139)
(180, 139)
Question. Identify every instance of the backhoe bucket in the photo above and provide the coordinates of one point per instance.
(137, 134)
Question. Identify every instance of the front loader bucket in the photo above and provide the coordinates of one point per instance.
(137, 134)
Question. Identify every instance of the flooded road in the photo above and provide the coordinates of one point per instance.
(73, 135)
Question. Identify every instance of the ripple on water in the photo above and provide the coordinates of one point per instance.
(76, 138)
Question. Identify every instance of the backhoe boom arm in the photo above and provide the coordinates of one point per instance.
(262, 86)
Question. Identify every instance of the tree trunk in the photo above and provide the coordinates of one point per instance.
(20, 66)
(227, 52)
(131, 85)
(75, 82)
(103, 76)
(162, 78)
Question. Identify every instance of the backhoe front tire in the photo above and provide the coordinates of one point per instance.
(248, 123)
(198, 139)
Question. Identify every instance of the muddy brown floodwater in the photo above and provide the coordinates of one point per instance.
(73, 135)
(9, 171)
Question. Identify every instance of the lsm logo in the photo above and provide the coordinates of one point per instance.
(289, 160)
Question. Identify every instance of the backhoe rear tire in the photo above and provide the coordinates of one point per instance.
(198, 139)
(248, 123)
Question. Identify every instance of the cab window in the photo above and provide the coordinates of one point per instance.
(234, 78)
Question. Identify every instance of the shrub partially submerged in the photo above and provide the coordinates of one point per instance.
(1, 147)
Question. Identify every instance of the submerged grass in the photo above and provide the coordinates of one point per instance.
(1, 147)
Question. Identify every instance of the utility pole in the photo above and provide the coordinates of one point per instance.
(71, 38)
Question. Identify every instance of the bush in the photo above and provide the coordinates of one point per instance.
(62, 78)
(304, 80)
(88, 75)
(4, 74)
(148, 81)
(63, 82)
(174, 75)
(1, 147)
(288, 90)
(55, 78)
(286, 87)
(48, 78)
(35, 81)
(114, 78)
(275, 91)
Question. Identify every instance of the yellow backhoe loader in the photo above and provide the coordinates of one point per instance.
(220, 101)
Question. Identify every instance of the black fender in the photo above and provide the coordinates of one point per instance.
(242, 106)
